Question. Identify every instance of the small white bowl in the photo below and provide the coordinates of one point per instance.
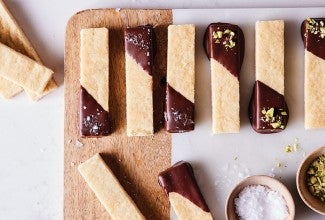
(310, 200)
(267, 181)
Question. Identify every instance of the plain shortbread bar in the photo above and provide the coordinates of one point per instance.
(12, 36)
(108, 190)
(13, 64)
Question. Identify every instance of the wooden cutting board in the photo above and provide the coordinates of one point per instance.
(136, 161)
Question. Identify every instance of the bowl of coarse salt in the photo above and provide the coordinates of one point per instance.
(260, 197)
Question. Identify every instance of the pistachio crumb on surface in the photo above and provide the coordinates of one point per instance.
(288, 149)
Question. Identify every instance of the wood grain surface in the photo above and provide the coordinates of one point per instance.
(136, 161)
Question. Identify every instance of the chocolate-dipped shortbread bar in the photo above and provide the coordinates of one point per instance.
(268, 111)
(224, 45)
(108, 190)
(139, 56)
(179, 112)
(94, 70)
(313, 34)
(183, 192)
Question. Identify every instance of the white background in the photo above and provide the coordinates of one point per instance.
(31, 134)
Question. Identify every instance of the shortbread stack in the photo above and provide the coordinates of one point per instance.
(20, 66)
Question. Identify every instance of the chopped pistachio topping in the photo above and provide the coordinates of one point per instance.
(279, 164)
(273, 117)
(316, 178)
(276, 124)
(228, 38)
(269, 113)
(316, 28)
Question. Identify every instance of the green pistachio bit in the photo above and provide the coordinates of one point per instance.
(231, 44)
(313, 180)
(311, 171)
(263, 111)
(269, 113)
(214, 35)
(219, 33)
(227, 31)
(322, 32)
(284, 113)
(279, 164)
(276, 124)
(288, 149)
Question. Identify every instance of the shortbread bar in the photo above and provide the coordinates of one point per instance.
(14, 37)
(13, 64)
(185, 197)
(180, 78)
(139, 55)
(108, 190)
(224, 44)
(94, 80)
(268, 111)
(313, 32)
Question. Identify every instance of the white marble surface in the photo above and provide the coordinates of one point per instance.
(31, 159)
(222, 161)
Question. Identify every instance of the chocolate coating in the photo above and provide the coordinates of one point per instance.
(180, 179)
(264, 97)
(94, 120)
(179, 114)
(313, 42)
(139, 44)
(230, 58)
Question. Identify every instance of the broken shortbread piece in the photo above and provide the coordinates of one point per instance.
(12, 36)
(180, 78)
(108, 190)
(139, 56)
(313, 32)
(225, 45)
(94, 80)
(268, 111)
(183, 192)
(13, 64)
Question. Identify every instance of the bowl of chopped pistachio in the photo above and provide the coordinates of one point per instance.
(311, 180)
